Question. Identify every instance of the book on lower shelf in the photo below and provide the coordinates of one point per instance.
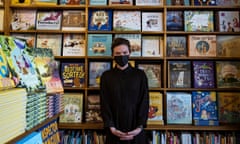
(152, 21)
(177, 46)
(227, 21)
(93, 113)
(73, 20)
(49, 20)
(226, 46)
(152, 46)
(73, 44)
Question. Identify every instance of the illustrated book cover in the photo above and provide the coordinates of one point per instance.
(175, 21)
(30, 39)
(227, 46)
(93, 113)
(176, 46)
(45, 2)
(120, 2)
(152, 21)
(178, 2)
(73, 20)
(72, 2)
(98, 2)
(149, 2)
(228, 3)
(228, 21)
(205, 2)
(49, 20)
(20, 2)
(73, 45)
(152, 46)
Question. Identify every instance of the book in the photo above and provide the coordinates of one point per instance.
(1, 19)
(95, 71)
(45, 2)
(49, 20)
(73, 74)
(34, 137)
(100, 20)
(228, 2)
(30, 39)
(202, 45)
(179, 108)
(149, 2)
(228, 74)
(179, 74)
(120, 2)
(152, 46)
(73, 20)
(205, 2)
(198, 21)
(176, 46)
(99, 45)
(152, 21)
(203, 74)
(23, 19)
(93, 113)
(126, 20)
(178, 2)
(226, 46)
(155, 113)
(98, 2)
(228, 21)
(175, 21)
(72, 2)
(21, 2)
(73, 45)
(73, 108)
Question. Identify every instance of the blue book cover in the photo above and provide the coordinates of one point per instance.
(178, 2)
(205, 2)
(100, 20)
(99, 44)
(198, 122)
(175, 21)
(33, 138)
(97, 2)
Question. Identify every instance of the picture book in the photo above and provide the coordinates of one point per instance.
(73, 45)
(120, 2)
(226, 46)
(228, 2)
(1, 19)
(155, 113)
(198, 21)
(45, 2)
(179, 74)
(135, 43)
(30, 39)
(73, 108)
(73, 20)
(228, 74)
(20, 2)
(229, 105)
(93, 113)
(99, 44)
(202, 45)
(72, 2)
(228, 21)
(100, 20)
(176, 46)
(23, 19)
(96, 68)
(152, 46)
(178, 2)
(175, 21)
(49, 20)
(179, 108)
(205, 2)
(73, 74)
(126, 20)
(98, 2)
(152, 21)
(149, 2)
(203, 74)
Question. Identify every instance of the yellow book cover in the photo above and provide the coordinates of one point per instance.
(22, 2)
(44, 2)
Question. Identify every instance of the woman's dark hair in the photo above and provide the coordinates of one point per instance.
(120, 41)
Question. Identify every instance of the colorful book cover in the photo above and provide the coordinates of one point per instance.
(73, 20)
(198, 21)
(175, 21)
(228, 74)
(203, 74)
(228, 3)
(45, 2)
(179, 108)
(99, 44)
(72, 2)
(178, 2)
(1, 19)
(73, 45)
(49, 20)
(205, 2)
(120, 2)
(179, 74)
(73, 74)
(93, 113)
(30, 39)
(176, 46)
(202, 45)
(228, 21)
(98, 2)
(152, 46)
(149, 2)
(22, 2)
(226, 46)
(95, 71)
(152, 21)
(100, 20)
(126, 20)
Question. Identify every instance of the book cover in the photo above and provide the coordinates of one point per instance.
(228, 21)
(93, 113)
(179, 74)
(179, 108)
(135, 43)
(126, 20)
(72, 2)
(45, 2)
(73, 108)
(95, 71)
(100, 20)
(73, 45)
(198, 21)
(205, 2)
(228, 104)
(203, 74)
(228, 74)
(99, 44)
(73, 20)
(226, 46)
(149, 2)
(49, 20)
(178, 2)
(152, 46)
(228, 2)
(23, 19)
(21, 2)
(34, 137)
(120, 2)
(1, 19)
(175, 21)
(98, 2)
(176, 46)
(155, 113)
(202, 45)
(152, 21)
(30, 39)
(73, 74)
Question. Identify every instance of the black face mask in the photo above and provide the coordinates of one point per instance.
(121, 60)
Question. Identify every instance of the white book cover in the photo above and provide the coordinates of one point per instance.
(149, 2)
(74, 45)
(73, 20)
(152, 21)
(1, 18)
(228, 21)
(152, 46)
(49, 20)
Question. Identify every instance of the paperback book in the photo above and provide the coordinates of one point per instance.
(228, 21)
(73, 45)
(73, 20)
(93, 112)
(152, 46)
(226, 46)
(176, 46)
(49, 20)
(175, 21)
(152, 21)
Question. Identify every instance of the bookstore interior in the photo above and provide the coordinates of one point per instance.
(53, 53)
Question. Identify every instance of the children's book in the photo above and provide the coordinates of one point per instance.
(205, 2)
(152, 21)
(149, 2)
(226, 46)
(19, 2)
(30, 39)
(120, 2)
(73, 45)
(176, 46)
(93, 113)
(49, 20)
(228, 2)
(72, 2)
(45, 2)
(98, 2)
(152, 46)
(178, 2)
(73, 20)
(175, 21)
(228, 21)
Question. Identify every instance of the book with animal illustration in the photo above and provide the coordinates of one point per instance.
(23, 19)
(49, 20)
(73, 45)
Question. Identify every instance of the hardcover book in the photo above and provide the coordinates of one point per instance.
(73, 20)
(228, 74)
(179, 108)
(205, 2)
(73, 45)
(203, 74)
(175, 21)
(202, 45)
(99, 44)
(21, 2)
(226, 46)
(120, 2)
(126, 20)
(45, 2)
(49, 20)
(149, 2)
(30, 39)
(228, 21)
(198, 21)
(72, 2)
(100, 20)
(98, 2)
(93, 113)
(176, 46)
(178, 2)
(34, 137)
(152, 46)
(152, 21)
(1, 19)
(179, 74)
